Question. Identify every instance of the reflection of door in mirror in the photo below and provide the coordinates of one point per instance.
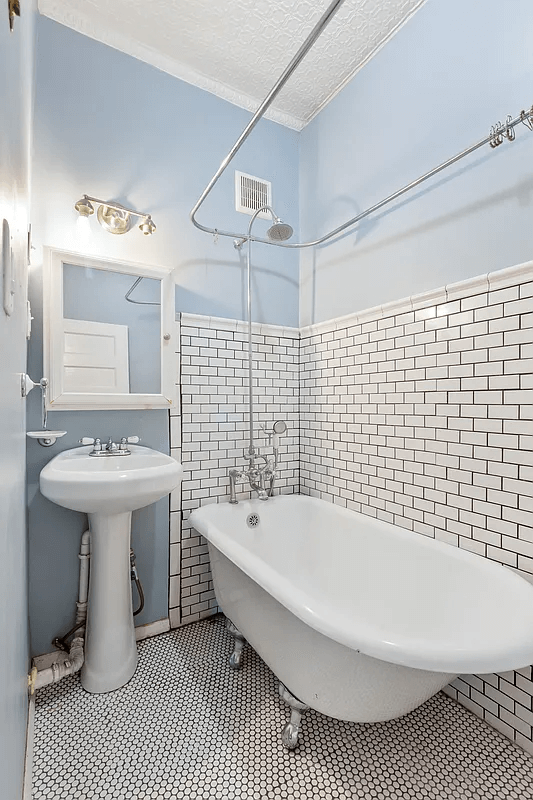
(95, 357)
(111, 344)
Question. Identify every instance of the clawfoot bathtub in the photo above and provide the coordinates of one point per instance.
(360, 620)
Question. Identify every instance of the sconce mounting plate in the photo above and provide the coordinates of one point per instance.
(114, 220)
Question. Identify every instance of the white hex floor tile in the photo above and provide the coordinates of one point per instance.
(187, 726)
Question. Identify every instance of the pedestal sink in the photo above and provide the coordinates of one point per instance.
(108, 489)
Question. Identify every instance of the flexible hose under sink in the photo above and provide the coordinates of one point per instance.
(138, 584)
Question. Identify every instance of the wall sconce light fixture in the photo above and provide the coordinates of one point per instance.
(113, 217)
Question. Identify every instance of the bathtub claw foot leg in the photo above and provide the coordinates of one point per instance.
(235, 659)
(289, 735)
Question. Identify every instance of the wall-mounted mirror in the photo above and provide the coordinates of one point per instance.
(109, 333)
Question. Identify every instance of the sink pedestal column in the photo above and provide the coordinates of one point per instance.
(110, 647)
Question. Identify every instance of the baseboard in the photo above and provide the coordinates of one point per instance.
(152, 629)
(28, 760)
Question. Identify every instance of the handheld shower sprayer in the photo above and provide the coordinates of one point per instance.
(273, 433)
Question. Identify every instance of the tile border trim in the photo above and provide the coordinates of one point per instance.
(454, 291)
(236, 325)
(490, 281)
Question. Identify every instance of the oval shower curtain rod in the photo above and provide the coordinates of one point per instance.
(497, 134)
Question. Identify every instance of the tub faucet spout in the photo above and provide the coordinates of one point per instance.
(262, 494)
(253, 475)
(235, 476)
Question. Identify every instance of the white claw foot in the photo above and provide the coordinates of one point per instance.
(289, 735)
(235, 659)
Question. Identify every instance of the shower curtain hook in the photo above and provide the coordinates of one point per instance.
(510, 133)
(525, 118)
(496, 133)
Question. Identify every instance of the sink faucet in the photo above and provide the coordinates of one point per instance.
(110, 448)
(260, 477)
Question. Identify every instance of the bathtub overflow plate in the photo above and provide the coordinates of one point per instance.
(252, 520)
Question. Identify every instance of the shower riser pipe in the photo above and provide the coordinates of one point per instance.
(277, 230)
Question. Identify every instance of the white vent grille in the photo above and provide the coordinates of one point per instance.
(252, 193)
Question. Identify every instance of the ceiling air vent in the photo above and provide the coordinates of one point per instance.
(252, 193)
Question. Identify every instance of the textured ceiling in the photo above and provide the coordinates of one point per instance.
(237, 49)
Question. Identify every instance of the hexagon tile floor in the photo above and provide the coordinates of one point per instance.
(187, 726)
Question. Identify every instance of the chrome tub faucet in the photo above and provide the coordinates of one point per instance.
(260, 477)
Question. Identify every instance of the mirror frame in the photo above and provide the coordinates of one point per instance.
(53, 343)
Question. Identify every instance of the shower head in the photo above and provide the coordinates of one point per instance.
(280, 231)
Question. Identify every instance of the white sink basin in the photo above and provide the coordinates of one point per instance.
(108, 489)
(109, 484)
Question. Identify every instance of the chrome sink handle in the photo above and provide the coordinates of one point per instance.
(125, 441)
(97, 448)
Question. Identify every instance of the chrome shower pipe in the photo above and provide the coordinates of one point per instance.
(238, 244)
(251, 449)
(324, 20)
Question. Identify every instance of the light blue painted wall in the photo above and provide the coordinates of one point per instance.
(111, 126)
(450, 73)
(16, 66)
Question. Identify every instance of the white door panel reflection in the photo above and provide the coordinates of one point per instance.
(95, 357)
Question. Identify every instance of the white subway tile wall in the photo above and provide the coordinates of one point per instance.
(422, 416)
(213, 434)
(419, 413)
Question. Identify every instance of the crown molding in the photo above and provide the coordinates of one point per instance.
(58, 11)
(363, 63)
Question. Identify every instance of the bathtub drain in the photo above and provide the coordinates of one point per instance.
(252, 520)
